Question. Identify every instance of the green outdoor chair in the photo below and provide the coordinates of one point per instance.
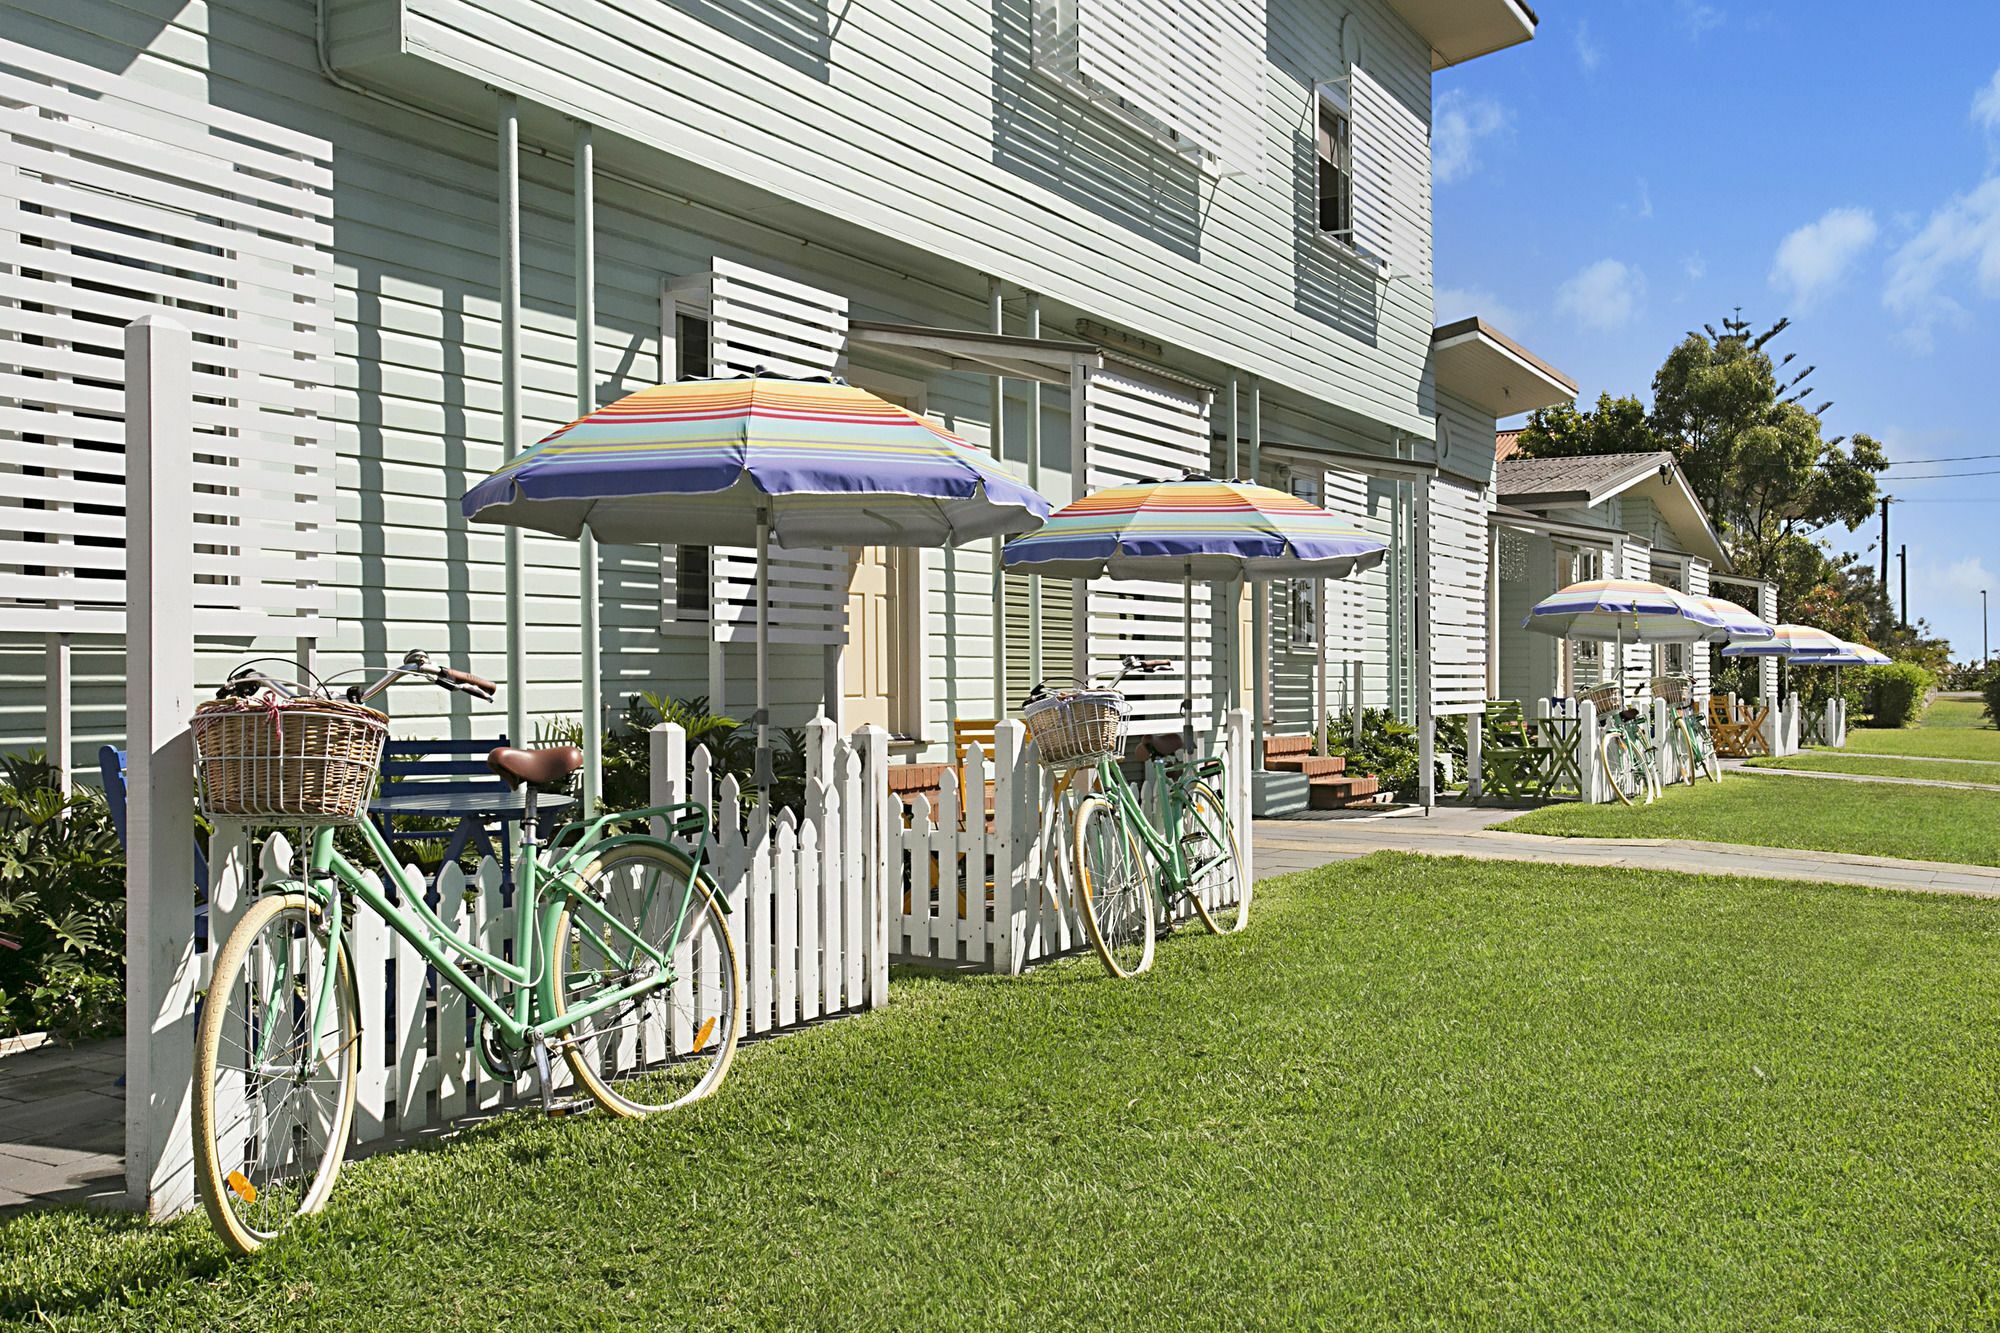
(1515, 764)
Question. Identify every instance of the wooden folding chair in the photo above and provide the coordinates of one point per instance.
(1732, 736)
(1518, 767)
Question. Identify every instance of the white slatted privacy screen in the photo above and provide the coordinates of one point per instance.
(1140, 427)
(118, 201)
(1345, 635)
(1457, 578)
(759, 321)
(1699, 585)
(1392, 184)
(1191, 70)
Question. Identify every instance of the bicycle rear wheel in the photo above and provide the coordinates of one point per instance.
(273, 1098)
(1621, 767)
(1217, 885)
(1113, 891)
(1702, 761)
(670, 1045)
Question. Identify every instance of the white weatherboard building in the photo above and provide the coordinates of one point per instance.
(1108, 240)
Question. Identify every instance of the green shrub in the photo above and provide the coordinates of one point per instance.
(62, 907)
(1990, 691)
(1897, 693)
(1388, 749)
(731, 743)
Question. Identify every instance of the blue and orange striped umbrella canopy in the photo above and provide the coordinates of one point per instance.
(1196, 527)
(1738, 622)
(695, 462)
(1797, 642)
(1629, 610)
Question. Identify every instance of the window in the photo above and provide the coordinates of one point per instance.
(691, 356)
(1302, 595)
(1335, 147)
(691, 585)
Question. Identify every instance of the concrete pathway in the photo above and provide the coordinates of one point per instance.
(62, 1126)
(1914, 758)
(1284, 845)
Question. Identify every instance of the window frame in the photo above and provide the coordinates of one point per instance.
(1329, 98)
(1302, 594)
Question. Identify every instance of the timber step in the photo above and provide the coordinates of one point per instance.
(1330, 785)
(1340, 793)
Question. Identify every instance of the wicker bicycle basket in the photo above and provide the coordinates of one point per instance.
(1077, 728)
(1676, 690)
(305, 761)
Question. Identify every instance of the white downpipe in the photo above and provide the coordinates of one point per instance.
(996, 322)
(586, 402)
(1034, 441)
(510, 404)
(1260, 596)
(1187, 659)
(765, 772)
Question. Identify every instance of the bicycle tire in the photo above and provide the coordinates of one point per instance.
(1223, 902)
(251, 1200)
(669, 1046)
(1620, 772)
(1114, 894)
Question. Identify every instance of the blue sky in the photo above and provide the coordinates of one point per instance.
(1644, 166)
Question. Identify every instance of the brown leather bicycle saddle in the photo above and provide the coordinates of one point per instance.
(537, 768)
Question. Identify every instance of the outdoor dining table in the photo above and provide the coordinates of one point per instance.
(473, 811)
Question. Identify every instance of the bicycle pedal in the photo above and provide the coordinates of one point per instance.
(573, 1106)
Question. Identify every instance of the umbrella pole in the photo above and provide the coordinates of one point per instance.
(1187, 658)
(765, 768)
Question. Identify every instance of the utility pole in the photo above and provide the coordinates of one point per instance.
(1985, 643)
(1885, 552)
(1903, 556)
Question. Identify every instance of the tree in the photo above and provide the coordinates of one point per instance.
(1735, 421)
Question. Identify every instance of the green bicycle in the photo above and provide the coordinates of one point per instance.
(1193, 851)
(1694, 748)
(624, 965)
(1626, 754)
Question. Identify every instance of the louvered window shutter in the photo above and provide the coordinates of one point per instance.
(756, 321)
(1143, 427)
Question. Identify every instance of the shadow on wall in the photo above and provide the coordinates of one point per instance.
(1067, 145)
(797, 33)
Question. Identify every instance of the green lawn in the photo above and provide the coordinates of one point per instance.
(1869, 818)
(1937, 770)
(1951, 729)
(1416, 1092)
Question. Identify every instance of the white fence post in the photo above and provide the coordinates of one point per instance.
(159, 697)
(1011, 815)
(884, 883)
(1588, 774)
(666, 772)
(1236, 757)
(1659, 722)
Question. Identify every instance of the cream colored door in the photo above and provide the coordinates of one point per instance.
(871, 689)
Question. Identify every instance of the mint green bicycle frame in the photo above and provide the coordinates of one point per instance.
(1169, 854)
(531, 982)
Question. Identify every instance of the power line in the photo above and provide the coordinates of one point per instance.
(1951, 500)
(1961, 458)
(1946, 476)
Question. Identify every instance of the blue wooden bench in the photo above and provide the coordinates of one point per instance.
(111, 767)
(444, 780)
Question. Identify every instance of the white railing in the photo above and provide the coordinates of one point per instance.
(990, 893)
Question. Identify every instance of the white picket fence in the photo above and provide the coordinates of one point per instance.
(990, 893)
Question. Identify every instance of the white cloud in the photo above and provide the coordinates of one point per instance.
(1812, 260)
(1986, 105)
(1956, 250)
(1699, 17)
(1605, 295)
(1459, 123)
(1694, 268)
(1588, 53)
(1645, 205)
(1450, 303)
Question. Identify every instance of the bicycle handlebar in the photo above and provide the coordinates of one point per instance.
(246, 681)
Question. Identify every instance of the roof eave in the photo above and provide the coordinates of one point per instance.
(1460, 30)
(1465, 347)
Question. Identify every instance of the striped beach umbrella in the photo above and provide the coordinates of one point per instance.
(1868, 656)
(808, 462)
(1738, 622)
(709, 462)
(1792, 642)
(1624, 610)
(1195, 528)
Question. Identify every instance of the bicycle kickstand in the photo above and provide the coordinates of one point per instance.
(545, 1076)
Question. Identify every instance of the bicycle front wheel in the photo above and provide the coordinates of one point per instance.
(1114, 893)
(1702, 761)
(1621, 767)
(1217, 885)
(274, 1065)
(672, 1044)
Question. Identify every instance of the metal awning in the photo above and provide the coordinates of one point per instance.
(1041, 360)
(1520, 520)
